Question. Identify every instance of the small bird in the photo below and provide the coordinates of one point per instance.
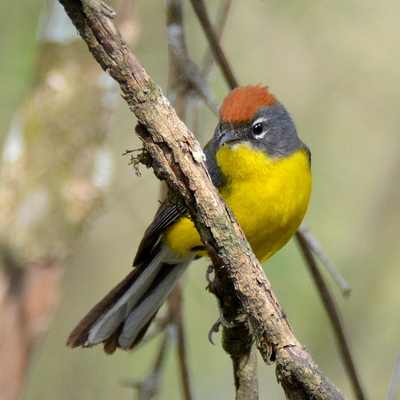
(262, 171)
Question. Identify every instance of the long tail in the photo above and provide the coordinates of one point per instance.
(123, 316)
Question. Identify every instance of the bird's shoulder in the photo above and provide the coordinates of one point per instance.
(172, 209)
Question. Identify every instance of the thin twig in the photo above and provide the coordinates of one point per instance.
(213, 42)
(220, 23)
(318, 251)
(171, 325)
(149, 387)
(333, 315)
(394, 380)
(186, 78)
(175, 303)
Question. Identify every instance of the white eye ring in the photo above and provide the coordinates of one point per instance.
(259, 123)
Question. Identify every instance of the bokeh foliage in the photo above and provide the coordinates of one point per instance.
(335, 66)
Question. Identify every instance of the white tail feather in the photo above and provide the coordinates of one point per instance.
(140, 315)
(135, 309)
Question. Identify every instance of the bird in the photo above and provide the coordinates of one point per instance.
(261, 169)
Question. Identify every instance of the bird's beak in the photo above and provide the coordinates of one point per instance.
(229, 137)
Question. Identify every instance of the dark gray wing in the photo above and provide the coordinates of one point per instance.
(172, 209)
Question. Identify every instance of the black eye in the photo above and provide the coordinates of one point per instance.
(257, 129)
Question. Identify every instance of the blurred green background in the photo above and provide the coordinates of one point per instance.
(336, 67)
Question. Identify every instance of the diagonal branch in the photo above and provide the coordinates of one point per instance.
(177, 158)
(219, 24)
(213, 41)
(333, 314)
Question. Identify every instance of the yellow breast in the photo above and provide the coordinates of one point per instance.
(268, 197)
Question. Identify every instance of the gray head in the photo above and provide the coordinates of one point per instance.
(252, 115)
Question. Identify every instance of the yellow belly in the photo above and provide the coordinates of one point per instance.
(268, 197)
